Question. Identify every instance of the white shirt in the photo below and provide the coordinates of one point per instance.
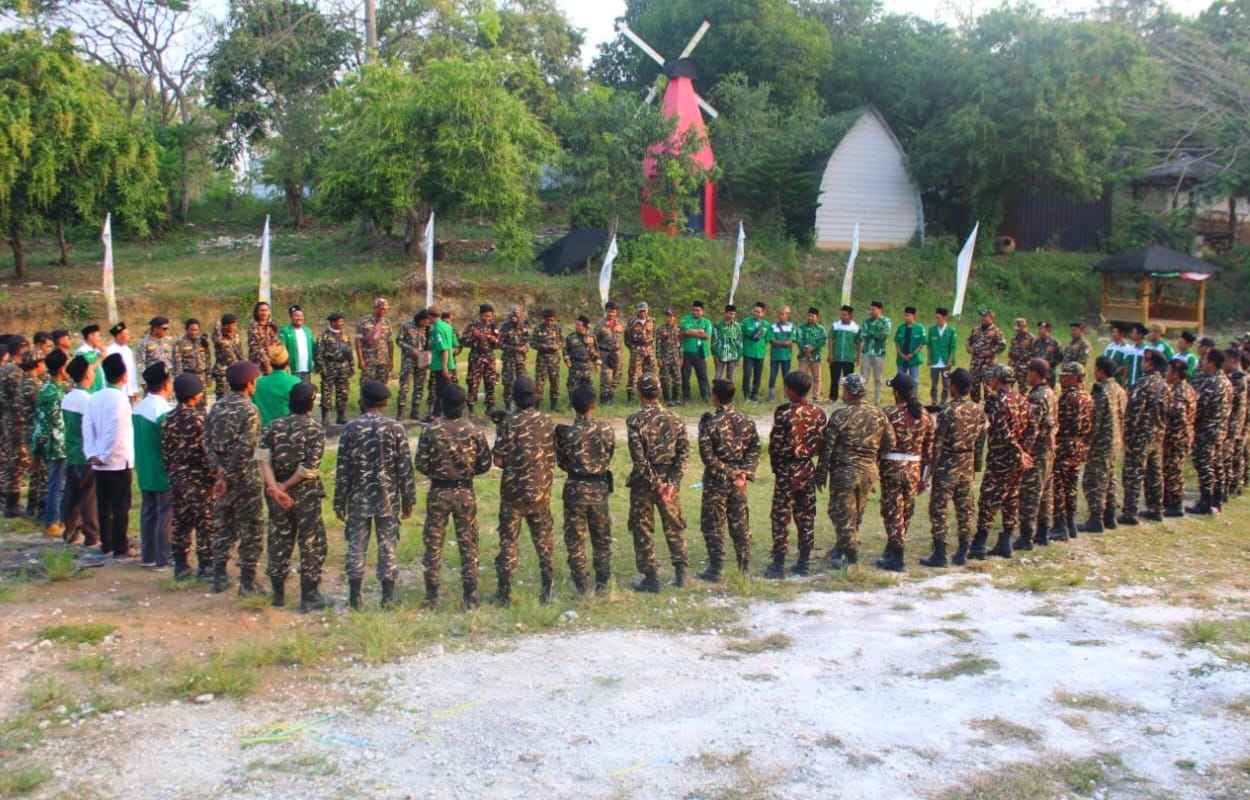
(108, 433)
(132, 372)
(301, 351)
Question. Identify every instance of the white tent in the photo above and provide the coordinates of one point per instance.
(866, 183)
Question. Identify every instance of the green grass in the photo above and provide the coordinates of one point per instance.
(1094, 702)
(58, 564)
(999, 730)
(21, 781)
(76, 634)
(965, 664)
(765, 644)
(46, 693)
(1047, 778)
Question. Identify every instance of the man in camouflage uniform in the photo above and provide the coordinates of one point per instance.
(668, 355)
(514, 344)
(290, 461)
(729, 446)
(608, 335)
(1037, 499)
(451, 452)
(1010, 442)
(1145, 422)
(984, 344)
(581, 355)
(1021, 353)
(33, 375)
(192, 353)
(1182, 413)
(374, 488)
(904, 469)
(640, 339)
(525, 451)
(414, 363)
(482, 339)
(375, 344)
(190, 478)
(1236, 424)
(1077, 350)
(1105, 445)
(659, 448)
(16, 453)
(231, 434)
(1244, 452)
(959, 425)
(155, 346)
(548, 341)
(584, 451)
(1215, 400)
(793, 447)
(335, 363)
(227, 350)
(1076, 423)
(1046, 348)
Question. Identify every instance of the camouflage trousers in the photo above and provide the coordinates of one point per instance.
(1100, 483)
(18, 464)
(848, 498)
(1067, 477)
(799, 505)
(482, 372)
(586, 514)
(1000, 491)
(1245, 463)
(640, 361)
(899, 484)
(458, 503)
(1231, 449)
(547, 373)
(980, 377)
(1143, 462)
(380, 372)
(220, 387)
(1037, 492)
(1174, 454)
(726, 509)
(609, 375)
(642, 506)
(542, 530)
(237, 519)
(334, 390)
(411, 378)
(357, 530)
(193, 518)
(301, 524)
(951, 486)
(579, 375)
(670, 380)
(513, 368)
(36, 487)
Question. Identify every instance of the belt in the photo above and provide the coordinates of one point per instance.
(603, 477)
(439, 483)
(912, 457)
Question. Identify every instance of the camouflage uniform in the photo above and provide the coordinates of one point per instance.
(1182, 413)
(1018, 358)
(190, 484)
(608, 339)
(525, 451)
(797, 435)
(482, 339)
(856, 438)
(1234, 433)
(1077, 351)
(658, 447)
(336, 363)
(1047, 349)
(514, 342)
(584, 450)
(959, 425)
(548, 340)
(451, 452)
(23, 422)
(581, 356)
(413, 341)
(903, 470)
(1009, 434)
(1145, 421)
(1105, 445)
(668, 348)
(1037, 498)
(728, 443)
(227, 350)
(231, 434)
(1215, 400)
(151, 350)
(374, 487)
(1076, 424)
(377, 356)
(294, 444)
(640, 339)
(193, 356)
(13, 426)
(260, 337)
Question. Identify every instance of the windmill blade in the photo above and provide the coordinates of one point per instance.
(706, 106)
(694, 40)
(636, 39)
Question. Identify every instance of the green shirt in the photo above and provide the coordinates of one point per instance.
(780, 338)
(692, 345)
(1162, 347)
(149, 463)
(911, 340)
(73, 407)
(844, 340)
(942, 346)
(755, 334)
(875, 333)
(47, 436)
(92, 356)
(287, 334)
(443, 342)
(1191, 358)
(727, 340)
(811, 335)
(273, 395)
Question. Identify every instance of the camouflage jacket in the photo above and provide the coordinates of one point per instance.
(413, 340)
(668, 344)
(959, 425)
(1011, 428)
(1237, 410)
(984, 345)
(374, 476)
(1146, 415)
(793, 446)
(547, 339)
(586, 448)
(728, 442)
(260, 337)
(226, 351)
(1076, 423)
(23, 419)
(658, 447)
(1077, 351)
(514, 338)
(525, 451)
(47, 435)
(1182, 412)
(482, 339)
(152, 350)
(334, 354)
(856, 438)
(1215, 403)
(291, 444)
(580, 350)
(1107, 435)
(376, 341)
(10, 379)
(913, 437)
(192, 355)
(1048, 349)
(1020, 353)
(1044, 411)
(608, 336)
(231, 434)
(182, 448)
(640, 334)
(452, 450)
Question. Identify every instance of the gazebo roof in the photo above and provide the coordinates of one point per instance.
(1154, 260)
(1182, 167)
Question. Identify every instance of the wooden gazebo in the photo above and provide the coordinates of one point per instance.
(1155, 285)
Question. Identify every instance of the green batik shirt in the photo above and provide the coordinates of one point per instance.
(875, 333)
(844, 339)
(810, 336)
(755, 337)
(727, 341)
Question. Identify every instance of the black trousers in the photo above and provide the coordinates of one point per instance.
(440, 382)
(752, 374)
(112, 498)
(691, 361)
(837, 370)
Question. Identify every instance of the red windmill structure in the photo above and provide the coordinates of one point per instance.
(682, 103)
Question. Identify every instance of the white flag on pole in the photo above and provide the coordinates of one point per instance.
(738, 259)
(605, 274)
(849, 277)
(265, 294)
(110, 292)
(429, 261)
(963, 268)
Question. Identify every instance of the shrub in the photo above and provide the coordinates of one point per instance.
(680, 268)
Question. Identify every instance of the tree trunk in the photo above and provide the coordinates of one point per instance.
(61, 243)
(295, 203)
(19, 252)
(1232, 219)
(371, 30)
(412, 233)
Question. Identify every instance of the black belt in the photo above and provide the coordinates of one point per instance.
(439, 483)
(603, 477)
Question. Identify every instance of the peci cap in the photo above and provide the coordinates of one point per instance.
(1002, 372)
(186, 386)
(334, 317)
(374, 393)
(116, 329)
(1072, 368)
(155, 374)
(241, 373)
(158, 322)
(902, 382)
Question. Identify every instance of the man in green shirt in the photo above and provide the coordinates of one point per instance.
(727, 343)
(941, 344)
(300, 344)
(443, 346)
(755, 331)
(273, 391)
(909, 342)
(47, 438)
(92, 351)
(156, 517)
(79, 514)
(875, 332)
(844, 346)
(696, 340)
(1155, 341)
(781, 346)
(1135, 355)
(1184, 349)
(811, 342)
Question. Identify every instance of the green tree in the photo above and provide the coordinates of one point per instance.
(66, 150)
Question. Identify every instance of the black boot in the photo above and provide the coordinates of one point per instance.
(503, 592)
(977, 551)
(182, 570)
(221, 581)
(1174, 511)
(1092, 525)
(580, 582)
(325, 417)
(892, 560)
(310, 598)
(802, 567)
(601, 582)
(712, 573)
(471, 599)
(1002, 548)
(204, 570)
(353, 593)
(1203, 506)
(776, 570)
(938, 558)
(12, 505)
(247, 581)
(961, 555)
(1042, 537)
(388, 594)
(1127, 518)
(340, 419)
(1217, 500)
(1025, 540)
(843, 557)
(679, 576)
(1150, 516)
(1108, 518)
(431, 593)
(1069, 521)
(279, 592)
(548, 590)
(1058, 529)
(649, 583)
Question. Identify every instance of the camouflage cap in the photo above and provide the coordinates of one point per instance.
(642, 306)
(1002, 372)
(984, 312)
(648, 383)
(1072, 368)
(1019, 320)
(853, 384)
(381, 302)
